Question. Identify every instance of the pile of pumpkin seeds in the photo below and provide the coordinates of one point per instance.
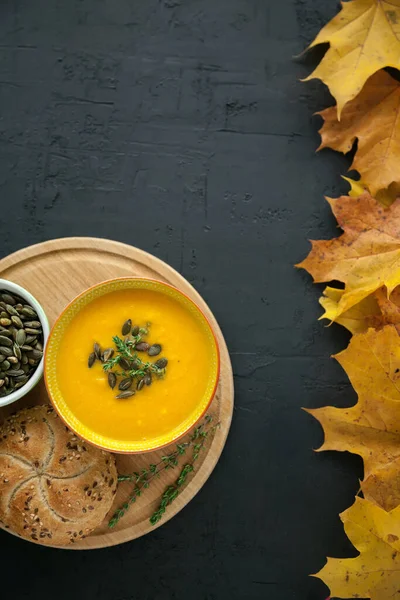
(125, 369)
(21, 342)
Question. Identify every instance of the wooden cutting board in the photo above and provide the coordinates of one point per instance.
(57, 271)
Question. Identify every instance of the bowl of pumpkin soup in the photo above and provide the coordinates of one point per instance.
(131, 365)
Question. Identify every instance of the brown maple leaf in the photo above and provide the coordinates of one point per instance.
(372, 118)
(365, 258)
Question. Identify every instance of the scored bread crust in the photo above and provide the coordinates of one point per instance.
(54, 487)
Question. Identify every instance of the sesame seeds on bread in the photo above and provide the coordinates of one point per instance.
(54, 487)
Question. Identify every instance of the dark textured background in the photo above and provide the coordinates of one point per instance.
(179, 126)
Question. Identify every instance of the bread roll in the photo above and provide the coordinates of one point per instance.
(54, 488)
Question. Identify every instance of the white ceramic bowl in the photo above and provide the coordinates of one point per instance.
(17, 289)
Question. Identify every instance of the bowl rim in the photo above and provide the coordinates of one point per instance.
(212, 395)
(10, 286)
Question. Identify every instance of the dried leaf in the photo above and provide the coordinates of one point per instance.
(375, 572)
(389, 307)
(372, 118)
(364, 38)
(376, 310)
(365, 258)
(385, 197)
(371, 428)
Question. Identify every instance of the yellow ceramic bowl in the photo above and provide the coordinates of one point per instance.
(157, 415)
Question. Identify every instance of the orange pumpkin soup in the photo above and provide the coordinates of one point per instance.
(157, 409)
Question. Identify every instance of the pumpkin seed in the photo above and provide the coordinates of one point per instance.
(24, 359)
(140, 384)
(33, 324)
(32, 362)
(39, 346)
(125, 364)
(23, 378)
(135, 330)
(8, 299)
(5, 332)
(27, 348)
(20, 338)
(125, 384)
(11, 310)
(32, 331)
(161, 363)
(4, 314)
(19, 385)
(17, 351)
(124, 395)
(154, 350)
(25, 367)
(112, 379)
(13, 360)
(4, 341)
(97, 350)
(30, 339)
(91, 359)
(15, 372)
(148, 379)
(19, 307)
(37, 354)
(126, 327)
(107, 354)
(142, 346)
(17, 322)
(5, 365)
(5, 322)
(28, 311)
(2, 358)
(2, 382)
(5, 351)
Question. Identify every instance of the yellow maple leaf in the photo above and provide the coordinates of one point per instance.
(371, 428)
(385, 197)
(372, 118)
(375, 573)
(376, 310)
(363, 38)
(357, 319)
(365, 257)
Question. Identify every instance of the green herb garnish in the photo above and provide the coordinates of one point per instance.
(143, 478)
(124, 361)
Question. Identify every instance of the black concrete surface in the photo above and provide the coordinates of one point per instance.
(180, 126)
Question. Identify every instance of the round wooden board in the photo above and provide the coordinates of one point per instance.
(57, 271)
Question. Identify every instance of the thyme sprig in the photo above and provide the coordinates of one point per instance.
(125, 349)
(143, 478)
(173, 491)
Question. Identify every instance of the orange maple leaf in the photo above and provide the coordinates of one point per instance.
(365, 258)
(372, 118)
(374, 573)
(371, 428)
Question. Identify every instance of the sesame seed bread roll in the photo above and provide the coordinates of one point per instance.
(54, 487)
